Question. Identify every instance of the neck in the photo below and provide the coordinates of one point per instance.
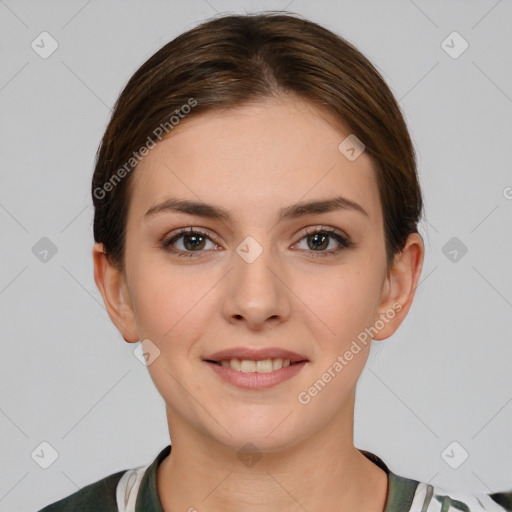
(323, 472)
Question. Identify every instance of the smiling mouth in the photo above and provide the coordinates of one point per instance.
(255, 366)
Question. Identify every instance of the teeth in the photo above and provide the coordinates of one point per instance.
(247, 366)
(277, 363)
(263, 366)
(235, 364)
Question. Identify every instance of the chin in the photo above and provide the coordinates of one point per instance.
(263, 434)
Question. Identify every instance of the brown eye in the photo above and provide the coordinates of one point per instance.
(192, 241)
(319, 239)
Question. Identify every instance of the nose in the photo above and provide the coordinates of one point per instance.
(256, 291)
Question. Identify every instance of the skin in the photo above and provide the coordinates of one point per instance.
(252, 161)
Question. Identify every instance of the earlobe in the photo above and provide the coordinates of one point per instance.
(113, 287)
(400, 286)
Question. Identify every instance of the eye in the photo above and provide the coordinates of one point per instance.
(319, 238)
(194, 240)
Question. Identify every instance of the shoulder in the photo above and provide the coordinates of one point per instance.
(429, 498)
(129, 489)
(99, 496)
(409, 495)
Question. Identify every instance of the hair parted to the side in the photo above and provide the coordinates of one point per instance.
(231, 60)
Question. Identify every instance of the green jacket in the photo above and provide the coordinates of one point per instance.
(404, 495)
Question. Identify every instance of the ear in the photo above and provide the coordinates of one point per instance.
(113, 287)
(400, 286)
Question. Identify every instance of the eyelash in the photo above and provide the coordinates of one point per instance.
(345, 243)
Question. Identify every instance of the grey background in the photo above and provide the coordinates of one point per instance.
(67, 376)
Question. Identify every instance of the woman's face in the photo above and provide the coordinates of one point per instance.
(257, 278)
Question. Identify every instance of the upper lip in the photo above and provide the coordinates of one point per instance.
(254, 354)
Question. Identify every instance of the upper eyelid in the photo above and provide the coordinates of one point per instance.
(184, 231)
(304, 232)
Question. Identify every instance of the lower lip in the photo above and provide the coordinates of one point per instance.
(255, 380)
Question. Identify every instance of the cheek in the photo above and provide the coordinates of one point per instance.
(340, 304)
(168, 304)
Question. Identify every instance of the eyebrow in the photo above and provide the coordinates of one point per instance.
(301, 209)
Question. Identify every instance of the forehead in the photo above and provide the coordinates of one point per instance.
(253, 160)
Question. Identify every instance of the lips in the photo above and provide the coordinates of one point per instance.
(250, 354)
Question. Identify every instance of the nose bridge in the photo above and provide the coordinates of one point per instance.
(253, 260)
(257, 292)
(252, 247)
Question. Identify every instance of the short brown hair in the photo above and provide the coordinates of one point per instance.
(231, 60)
